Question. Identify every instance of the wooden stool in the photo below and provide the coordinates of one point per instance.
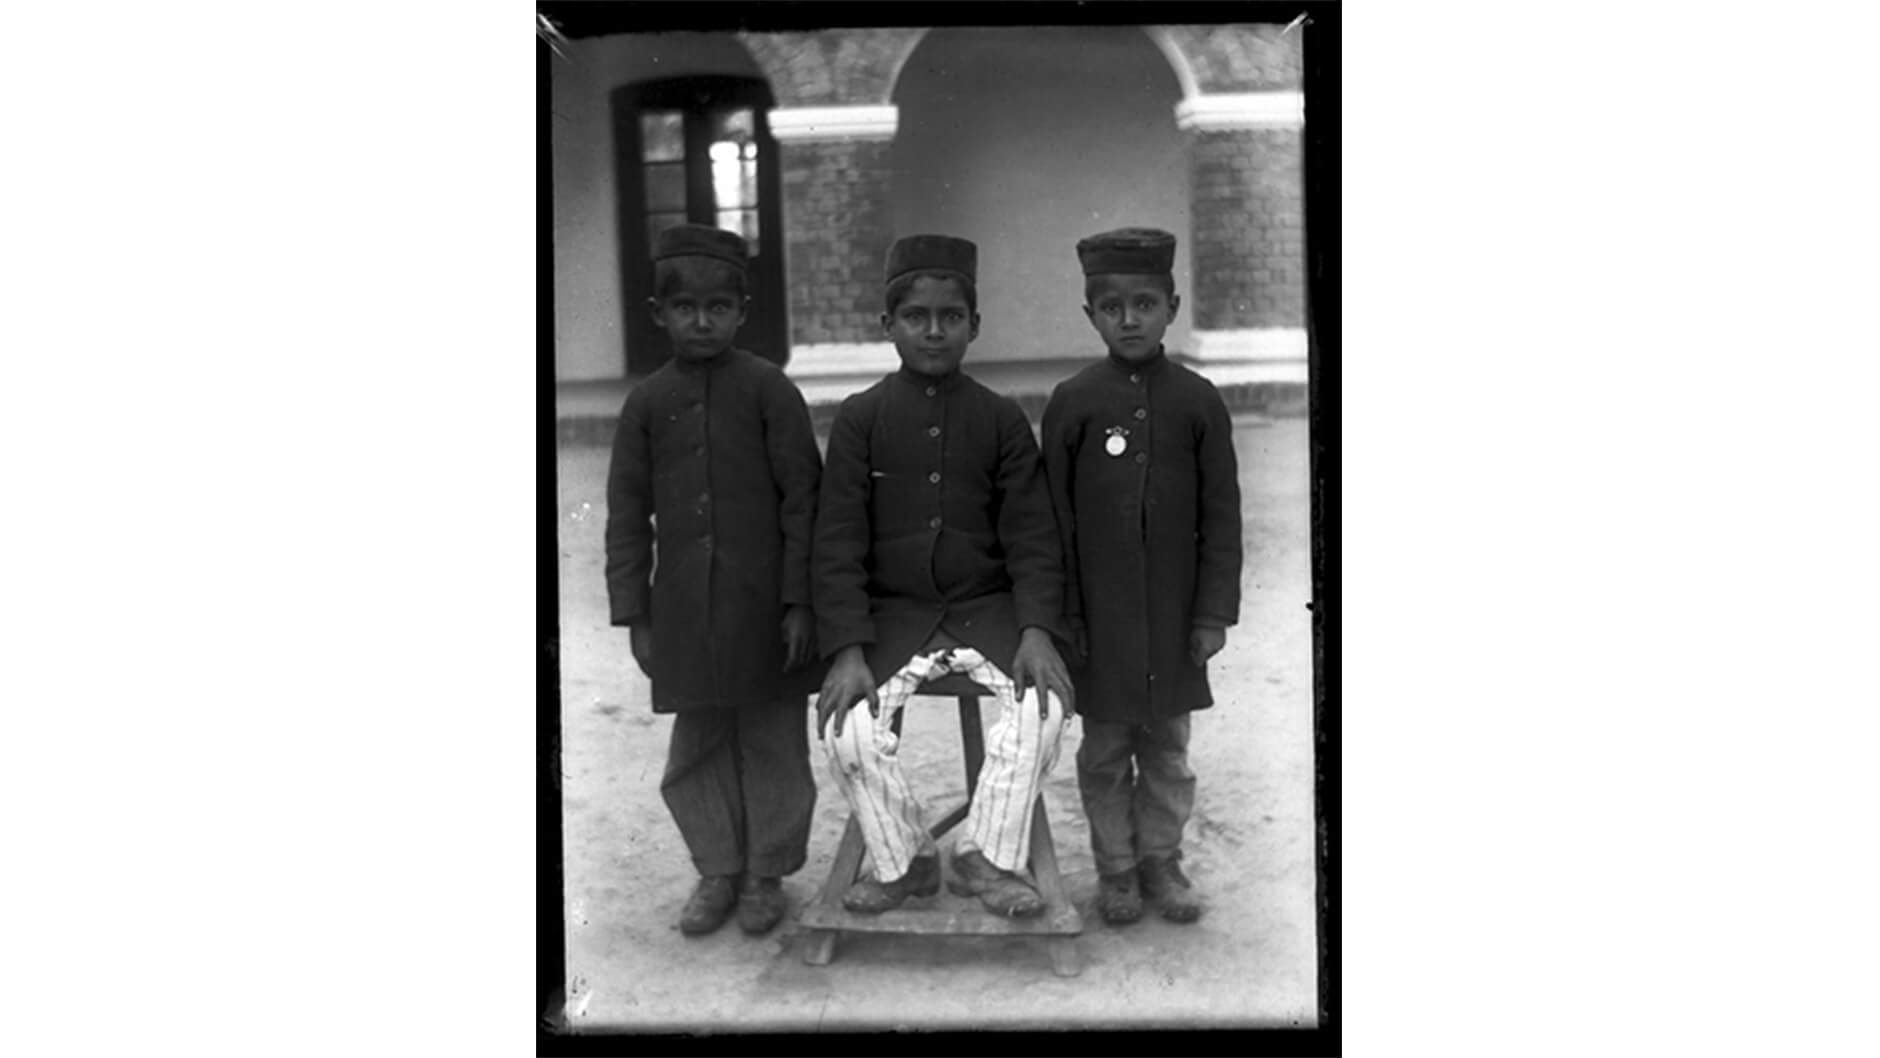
(1059, 922)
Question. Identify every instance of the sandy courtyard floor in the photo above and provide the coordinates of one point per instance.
(1251, 960)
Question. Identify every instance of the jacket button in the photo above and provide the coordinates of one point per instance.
(933, 431)
(704, 497)
(1141, 414)
(1141, 457)
(934, 477)
(933, 523)
(931, 391)
(1135, 378)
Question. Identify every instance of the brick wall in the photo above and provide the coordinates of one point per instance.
(1249, 251)
(1243, 58)
(837, 228)
(831, 67)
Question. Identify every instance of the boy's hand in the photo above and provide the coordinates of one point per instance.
(641, 637)
(1205, 642)
(1037, 664)
(848, 682)
(799, 637)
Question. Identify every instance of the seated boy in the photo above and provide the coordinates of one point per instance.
(936, 552)
(1140, 455)
(715, 473)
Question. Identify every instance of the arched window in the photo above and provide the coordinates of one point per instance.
(698, 149)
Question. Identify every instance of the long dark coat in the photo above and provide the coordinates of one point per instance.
(719, 460)
(1151, 530)
(934, 514)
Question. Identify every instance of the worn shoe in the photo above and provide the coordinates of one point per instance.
(871, 896)
(1003, 892)
(710, 905)
(1164, 883)
(1118, 899)
(761, 904)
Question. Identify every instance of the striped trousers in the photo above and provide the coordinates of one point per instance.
(1020, 749)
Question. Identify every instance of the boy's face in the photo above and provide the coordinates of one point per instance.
(932, 326)
(1131, 312)
(701, 315)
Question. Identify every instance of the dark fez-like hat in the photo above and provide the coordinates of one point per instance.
(918, 253)
(1129, 251)
(697, 240)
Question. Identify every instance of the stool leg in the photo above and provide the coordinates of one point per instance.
(1044, 864)
(1064, 958)
(972, 742)
(819, 946)
(1044, 867)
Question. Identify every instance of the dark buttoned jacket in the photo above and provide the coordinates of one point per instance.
(934, 515)
(715, 475)
(1144, 481)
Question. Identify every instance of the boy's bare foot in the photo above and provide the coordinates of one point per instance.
(710, 905)
(1002, 892)
(871, 896)
(1118, 899)
(761, 904)
(1164, 883)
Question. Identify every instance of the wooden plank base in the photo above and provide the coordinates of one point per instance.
(1059, 923)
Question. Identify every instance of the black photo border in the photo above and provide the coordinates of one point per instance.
(1322, 201)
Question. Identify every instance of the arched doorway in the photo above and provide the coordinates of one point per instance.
(1025, 141)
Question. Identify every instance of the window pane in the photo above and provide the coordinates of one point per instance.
(734, 125)
(734, 159)
(744, 222)
(665, 186)
(662, 136)
(728, 178)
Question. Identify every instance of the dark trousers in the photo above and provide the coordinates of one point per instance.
(1137, 788)
(739, 785)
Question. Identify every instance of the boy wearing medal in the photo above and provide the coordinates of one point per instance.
(1140, 456)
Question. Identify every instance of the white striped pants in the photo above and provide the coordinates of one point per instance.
(1020, 749)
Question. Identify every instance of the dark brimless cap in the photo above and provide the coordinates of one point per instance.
(1128, 251)
(919, 253)
(697, 240)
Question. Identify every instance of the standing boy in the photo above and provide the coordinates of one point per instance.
(715, 472)
(936, 552)
(1140, 455)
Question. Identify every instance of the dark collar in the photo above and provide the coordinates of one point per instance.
(1151, 366)
(921, 382)
(695, 367)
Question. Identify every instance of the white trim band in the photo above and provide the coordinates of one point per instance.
(1251, 372)
(822, 124)
(1242, 110)
(828, 359)
(1251, 345)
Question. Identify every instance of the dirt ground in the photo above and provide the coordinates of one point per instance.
(1250, 961)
